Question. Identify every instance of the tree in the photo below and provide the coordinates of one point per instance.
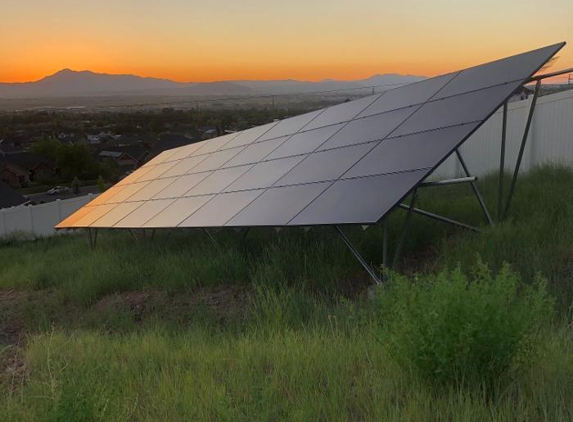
(47, 148)
(109, 169)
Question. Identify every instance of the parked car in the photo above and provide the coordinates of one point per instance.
(58, 190)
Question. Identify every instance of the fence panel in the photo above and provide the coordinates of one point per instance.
(39, 220)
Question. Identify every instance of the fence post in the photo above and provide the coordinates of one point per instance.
(31, 217)
(3, 213)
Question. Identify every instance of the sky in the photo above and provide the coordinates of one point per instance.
(193, 41)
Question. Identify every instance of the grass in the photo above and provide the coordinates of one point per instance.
(271, 327)
(324, 373)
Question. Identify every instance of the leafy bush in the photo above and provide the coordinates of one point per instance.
(450, 329)
(101, 184)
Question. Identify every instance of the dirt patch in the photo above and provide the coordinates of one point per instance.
(223, 302)
(10, 297)
(13, 368)
(12, 326)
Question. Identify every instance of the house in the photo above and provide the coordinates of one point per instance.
(102, 136)
(169, 141)
(522, 93)
(13, 174)
(9, 197)
(71, 138)
(128, 140)
(7, 148)
(127, 157)
(210, 133)
(36, 165)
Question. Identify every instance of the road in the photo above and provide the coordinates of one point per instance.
(40, 198)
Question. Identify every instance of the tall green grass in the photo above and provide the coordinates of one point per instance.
(310, 346)
(536, 238)
(327, 373)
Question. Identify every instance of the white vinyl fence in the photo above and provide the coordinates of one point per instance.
(39, 220)
(550, 138)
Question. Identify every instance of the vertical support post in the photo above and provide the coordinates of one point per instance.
(357, 255)
(31, 218)
(246, 232)
(59, 202)
(384, 243)
(404, 230)
(475, 189)
(522, 148)
(152, 234)
(3, 218)
(502, 163)
(92, 238)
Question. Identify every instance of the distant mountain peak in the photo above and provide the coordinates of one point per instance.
(70, 83)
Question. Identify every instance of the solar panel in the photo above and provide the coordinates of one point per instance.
(346, 164)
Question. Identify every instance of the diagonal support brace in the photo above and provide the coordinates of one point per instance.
(475, 189)
(357, 255)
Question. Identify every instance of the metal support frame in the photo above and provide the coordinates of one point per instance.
(502, 163)
(404, 230)
(246, 232)
(384, 243)
(475, 189)
(92, 238)
(445, 182)
(357, 255)
(522, 149)
(211, 238)
(438, 217)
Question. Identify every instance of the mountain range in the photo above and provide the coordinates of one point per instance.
(70, 83)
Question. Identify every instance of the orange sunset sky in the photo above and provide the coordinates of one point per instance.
(262, 39)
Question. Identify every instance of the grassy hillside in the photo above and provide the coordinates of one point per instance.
(275, 326)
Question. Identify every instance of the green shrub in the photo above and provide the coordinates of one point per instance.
(101, 184)
(450, 329)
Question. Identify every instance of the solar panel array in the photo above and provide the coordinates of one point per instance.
(346, 164)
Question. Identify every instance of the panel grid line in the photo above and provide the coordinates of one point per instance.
(394, 130)
(337, 165)
(305, 157)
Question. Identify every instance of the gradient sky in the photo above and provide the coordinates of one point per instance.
(190, 40)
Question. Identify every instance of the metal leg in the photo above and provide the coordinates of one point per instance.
(438, 217)
(246, 232)
(522, 148)
(92, 238)
(502, 162)
(211, 238)
(152, 234)
(133, 233)
(404, 231)
(384, 243)
(475, 189)
(358, 256)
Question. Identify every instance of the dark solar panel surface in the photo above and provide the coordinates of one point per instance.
(346, 164)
